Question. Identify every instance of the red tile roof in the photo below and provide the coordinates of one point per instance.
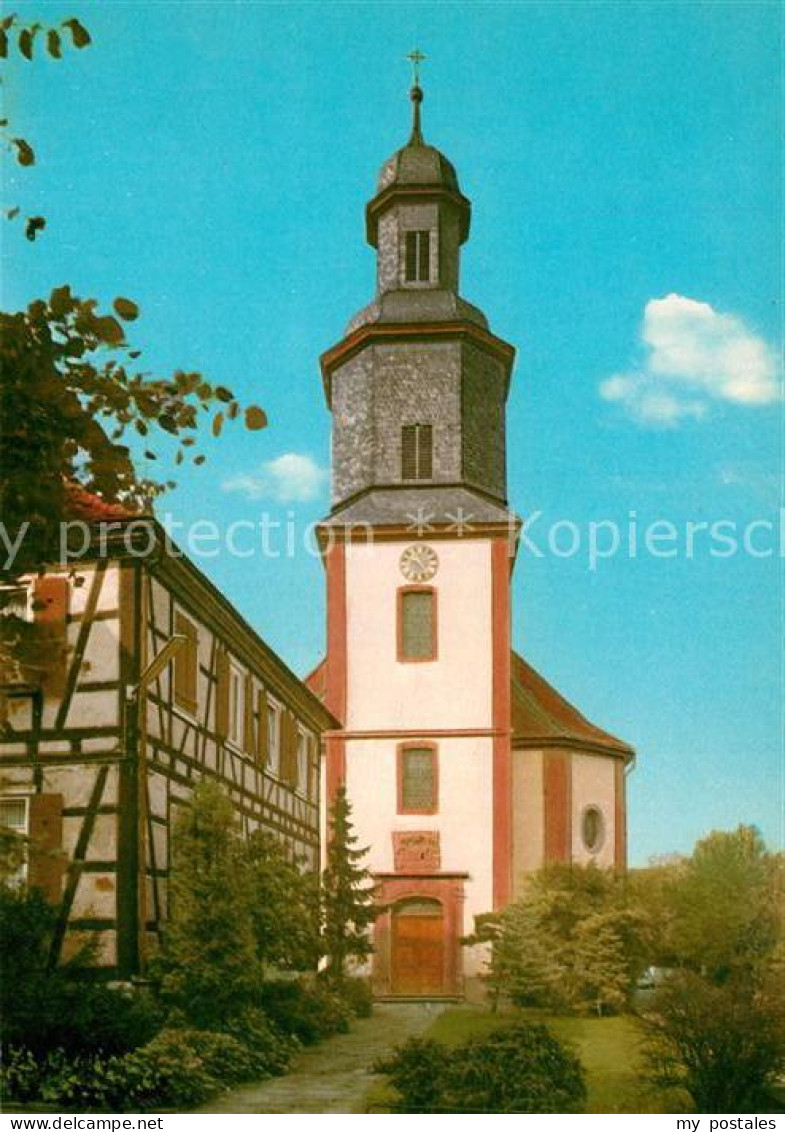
(81, 504)
(317, 680)
(540, 715)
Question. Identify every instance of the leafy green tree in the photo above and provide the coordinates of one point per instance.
(723, 1044)
(727, 904)
(572, 942)
(70, 394)
(601, 965)
(716, 1026)
(348, 894)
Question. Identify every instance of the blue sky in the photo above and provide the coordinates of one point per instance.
(212, 161)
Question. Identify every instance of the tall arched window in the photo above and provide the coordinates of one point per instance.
(416, 623)
(418, 778)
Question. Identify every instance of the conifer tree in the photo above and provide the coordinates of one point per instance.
(209, 969)
(348, 894)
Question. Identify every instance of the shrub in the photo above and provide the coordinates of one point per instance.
(44, 1009)
(520, 1068)
(49, 1011)
(156, 1075)
(223, 1057)
(309, 1013)
(418, 1071)
(356, 993)
(273, 1048)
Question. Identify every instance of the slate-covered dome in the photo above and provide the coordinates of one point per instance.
(417, 166)
(417, 163)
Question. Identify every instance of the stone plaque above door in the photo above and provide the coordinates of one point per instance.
(416, 852)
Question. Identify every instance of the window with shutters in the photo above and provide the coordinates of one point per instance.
(313, 767)
(302, 763)
(222, 694)
(263, 714)
(15, 816)
(417, 779)
(417, 258)
(416, 623)
(274, 738)
(236, 682)
(417, 452)
(289, 749)
(186, 665)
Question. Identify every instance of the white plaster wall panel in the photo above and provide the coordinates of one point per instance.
(156, 793)
(593, 785)
(102, 845)
(101, 659)
(98, 895)
(86, 900)
(102, 744)
(17, 780)
(76, 784)
(94, 709)
(160, 606)
(72, 827)
(454, 691)
(159, 847)
(528, 824)
(371, 789)
(110, 794)
(109, 597)
(55, 746)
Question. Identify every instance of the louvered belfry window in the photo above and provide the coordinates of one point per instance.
(417, 452)
(418, 257)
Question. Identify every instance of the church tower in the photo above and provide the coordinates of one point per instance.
(418, 550)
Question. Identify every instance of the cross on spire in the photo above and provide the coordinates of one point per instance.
(416, 57)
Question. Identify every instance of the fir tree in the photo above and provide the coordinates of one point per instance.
(208, 968)
(348, 894)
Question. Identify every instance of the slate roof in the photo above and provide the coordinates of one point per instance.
(418, 164)
(431, 505)
(426, 305)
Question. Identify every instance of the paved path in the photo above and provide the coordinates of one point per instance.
(333, 1076)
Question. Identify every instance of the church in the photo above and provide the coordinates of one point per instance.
(465, 769)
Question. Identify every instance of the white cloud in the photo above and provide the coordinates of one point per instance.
(291, 478)
(694, 355)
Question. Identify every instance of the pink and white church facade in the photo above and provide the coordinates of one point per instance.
(465, 769)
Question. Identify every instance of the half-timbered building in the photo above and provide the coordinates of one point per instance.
(145, 681)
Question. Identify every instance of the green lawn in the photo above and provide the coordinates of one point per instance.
(608, 1048)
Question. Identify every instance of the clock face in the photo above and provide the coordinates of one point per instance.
(419, 563)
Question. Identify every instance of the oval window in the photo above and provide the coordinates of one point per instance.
(593, 829)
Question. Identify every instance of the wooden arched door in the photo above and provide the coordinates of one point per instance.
(418, 947)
